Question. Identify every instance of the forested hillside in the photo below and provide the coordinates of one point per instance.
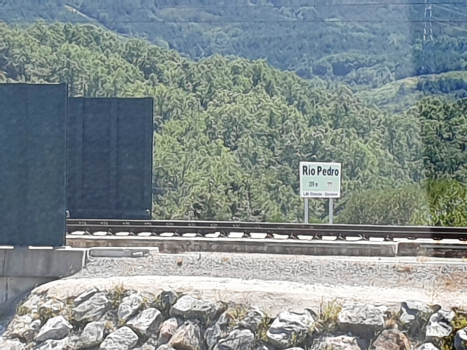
(364, 44)
(229, 132)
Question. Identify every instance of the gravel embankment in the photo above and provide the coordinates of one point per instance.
(279, 281)
(377, 272)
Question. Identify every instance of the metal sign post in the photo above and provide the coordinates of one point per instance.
(320, 180)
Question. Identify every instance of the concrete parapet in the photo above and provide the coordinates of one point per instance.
(41, 262)
(124, 252)
(433, 248)
(23, 269)
(229, 245)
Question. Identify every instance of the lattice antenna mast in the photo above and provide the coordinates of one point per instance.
(428, 30)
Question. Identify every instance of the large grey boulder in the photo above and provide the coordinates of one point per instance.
(147, 322)
(391, 339)
(31, 305)
(264, 347)
(23, 327)
(188, 307)
(129, 306)
(165, 347)
(55, 328)
(122, 339)
(460, 340)
(11, 344)
(343, 342)
(414, 318)
(167, 299)
(361, 320)
(33, 302)
(289, 329)
(92, 309)
(51, 344)
(427, 346)
(85, 296)
(146, 347)
(168, 329)
(51, 307)
(93, 335)
(253, 319)
(237, 339)
(219, 330)
(411, 310)
(187, 337)
(439, 325)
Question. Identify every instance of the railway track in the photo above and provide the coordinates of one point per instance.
(213, 229)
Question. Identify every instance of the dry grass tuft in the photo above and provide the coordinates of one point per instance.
(327, 316)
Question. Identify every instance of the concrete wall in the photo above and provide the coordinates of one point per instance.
(228, 245)
(22, 269)
(402, 247)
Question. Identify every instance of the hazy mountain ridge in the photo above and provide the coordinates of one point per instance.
(365, 45)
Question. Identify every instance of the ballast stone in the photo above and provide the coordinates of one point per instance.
(289, 328)
(55, 328)
(343, 342)
(92, 309)
(168, 329)
(11, 344)
(238, 339)
(147, 322)
(427, 346)
(253, 319)
(23, 327)
(439, 325)
(93, 335)
(460, 340)
(122, 339)
(52, 307)
(167, 299)
(33, 303)
(165, 347)
(361, 320)
(263, 347)
(391, 339)
(414, 315)
(146, 347)
(31, 306)
(219, 330)
(188, 307)
(412, 309)
(53, 344)
(129, 306)
(187, 337)
(85, 296)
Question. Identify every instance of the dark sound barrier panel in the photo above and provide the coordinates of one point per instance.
(110, 145)
(32, 164)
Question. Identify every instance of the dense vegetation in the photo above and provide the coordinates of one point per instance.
(230, 132)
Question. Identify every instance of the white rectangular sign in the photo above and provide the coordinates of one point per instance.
(320, 180)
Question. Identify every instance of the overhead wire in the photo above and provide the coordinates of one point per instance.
(227, 21)
(250, 21)
(450, 10)
(451, 26)
(320, 4)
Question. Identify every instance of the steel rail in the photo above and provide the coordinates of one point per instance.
(291, 230)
